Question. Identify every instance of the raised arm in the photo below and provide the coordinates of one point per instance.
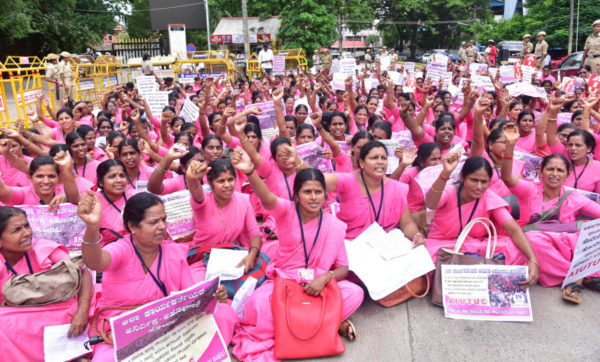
(241, 161)
(449, 162)
(136, 118)
(222, 126)
(326, 136)
(155, 183)
(196, 170)
(511, 133)
(279, 117)
(90, 211)
(411, 123)
(550, 124)
(65, 162)
(478, 144)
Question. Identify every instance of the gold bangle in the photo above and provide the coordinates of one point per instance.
(332, 274)
(249, 172)
(160, 169)
(551, 120)
(534, 261)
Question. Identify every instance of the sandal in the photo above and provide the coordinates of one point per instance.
(592, 283)
(348, 330)
(572, 293)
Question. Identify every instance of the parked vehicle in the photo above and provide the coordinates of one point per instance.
(509, 51)
(569, 67)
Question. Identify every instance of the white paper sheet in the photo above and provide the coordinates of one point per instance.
(243, 295)
(223, 263)
(58, 347)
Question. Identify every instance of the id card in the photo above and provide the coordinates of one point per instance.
(306, 275)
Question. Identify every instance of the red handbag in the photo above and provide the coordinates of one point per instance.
(306, 326)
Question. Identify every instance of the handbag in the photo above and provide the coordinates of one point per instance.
(416, 288)
(306, 326)
(549, 220)
(101, 331)
(58, 284)
(455, 257)
(259, 272)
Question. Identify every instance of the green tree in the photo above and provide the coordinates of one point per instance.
(370, 40)
(36, 27)
(307, 24)
(138, 23)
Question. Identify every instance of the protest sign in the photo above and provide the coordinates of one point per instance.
(477, 69)
(409, 67)
(335, 66)
(427, 176)
(482, 81)
(384, 63)
(180, 327)
(348, 66)
(279, 64)
(436, 72)
(86, 84)
(564, 117)
(531, 164)
(594, 83)
(493, 72)
(337, 83)
(393, 161)
(486, 292)
(312, 154)
(371, 83)
(518, 72)
(396, 77)
(438, 58)
(568, 85)
(586, 258)
(507, 74)
(526, 88)
(266, 119)
(190, 111)
(64, 228)
(529, 61)
(527, 73)
(186, 78)
(180, 217)
(157, 102)
(404, 139)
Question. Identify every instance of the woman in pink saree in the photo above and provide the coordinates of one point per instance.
(552, 211)
(300, 224)
(22, 332)
(141, 267)
(471, 200)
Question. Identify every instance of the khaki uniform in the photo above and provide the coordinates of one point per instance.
(147, 68)
(541, 50)
(592, 46)
(527, 49)
(52, 73)
(472, 54)
(462, 54)
(327, 61)
(65, 70)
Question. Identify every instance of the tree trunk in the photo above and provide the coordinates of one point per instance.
(400, 47)
(413, 42)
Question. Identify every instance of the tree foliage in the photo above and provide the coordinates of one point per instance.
(307, 24)
(551, 16)
(36, 27)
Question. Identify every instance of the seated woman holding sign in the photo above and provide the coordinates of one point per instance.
(552, 211)
(139, 268)
(470, 200)
(367, 196)
(311, 250)
(22, 332)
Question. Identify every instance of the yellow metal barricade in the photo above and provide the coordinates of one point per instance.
(25, 77)
(108, 73)
(163, 67)
(252, 67)
(4, 115)
(85, 80)
(295, 60)
(205, 64)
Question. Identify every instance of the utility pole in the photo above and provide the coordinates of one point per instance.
(341, 36)
(245, 25)
(207, 23)
(570, 47)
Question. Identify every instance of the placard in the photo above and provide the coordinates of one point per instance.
(2, 106)
(180, 217)
(507, 74)
(486, 292)
(278, 63)
(180, 327)
(30, 96)
(65, 228)
(86, 84)
(335, 66)
(186, 78)
(586, 257)
(146, 84)
(436, 72)
(348, 66)
(337, 83)
(438, 58)
(392, 160)
(594, 83)
(190, 111)
(157, 102)
(266, 119)
(312, 154)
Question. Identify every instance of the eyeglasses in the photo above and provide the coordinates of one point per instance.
(503, 142)
(562, 135)
(583, 72)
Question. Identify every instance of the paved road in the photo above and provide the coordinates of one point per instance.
(418, 331)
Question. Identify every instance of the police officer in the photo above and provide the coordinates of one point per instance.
(462, 52)
(52, 75)
(326, 59)
(472, 53)
(527, 46)
(368, 60)
(541, 50)
(591, 51)
(66, 76)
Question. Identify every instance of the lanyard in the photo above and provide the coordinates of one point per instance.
(13, 269)
(581, 173)
(84, 165)
(159, 283)
(371, 200)
(288, 186)
(460, 211)
(136, 180)
(112, 203)
(307, 254)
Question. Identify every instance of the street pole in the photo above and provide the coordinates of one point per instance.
(341, 37)
(570, 47)
(245, 25)
(577, 31)
(207, 23)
